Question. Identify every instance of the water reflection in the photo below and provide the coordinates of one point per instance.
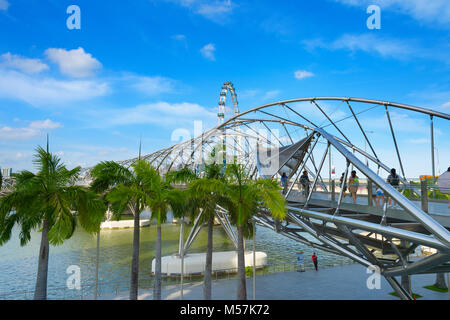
(18, 265)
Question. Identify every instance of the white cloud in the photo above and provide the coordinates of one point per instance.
(25, 133)
(45, 124)
(26, 65)
(74, 63)
(180, 37)
(435, 11)
(272, 94)
(215, 10)
(312, 113)
(371, 43)
(249, 93)
(44, 91)
(153, 85)
(4, 5)
(208, 51)
(446, 105)
(160, 113)
(419, 141)
(402, 122)
(302, 74)
(386, 47)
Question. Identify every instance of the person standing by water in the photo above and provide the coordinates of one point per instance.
(444, 182)
(315, 261)
(304, 181)
(353, 184)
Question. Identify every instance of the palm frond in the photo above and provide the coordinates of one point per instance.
(184, 175)
(109, 174)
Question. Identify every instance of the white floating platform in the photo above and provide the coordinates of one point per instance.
(123, 224)
(194, 263)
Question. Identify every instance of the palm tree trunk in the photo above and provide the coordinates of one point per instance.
(242, 285)
(182, 256)
(96, 265)
(157, 287)
(135, 260)
(208, 266)
(440, 281)
(40, 292)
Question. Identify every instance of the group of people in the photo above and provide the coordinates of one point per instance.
(304, 182)
(352, 185)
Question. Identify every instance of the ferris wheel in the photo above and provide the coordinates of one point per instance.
(227, 87)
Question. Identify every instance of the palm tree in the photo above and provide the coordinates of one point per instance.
(208, 192)
(162, 197)
(48, 199)
(125, 189)
(185, 176)
(248, 197)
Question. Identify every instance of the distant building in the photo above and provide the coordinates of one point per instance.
(6, 172)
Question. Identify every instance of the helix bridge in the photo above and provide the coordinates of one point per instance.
(317, 134)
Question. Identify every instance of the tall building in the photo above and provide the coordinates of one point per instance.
(6, 172)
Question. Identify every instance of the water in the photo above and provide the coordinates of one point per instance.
(18, 265)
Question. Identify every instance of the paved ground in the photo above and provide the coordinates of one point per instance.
(338, 283)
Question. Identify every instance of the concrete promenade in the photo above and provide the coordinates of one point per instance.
(337, 283)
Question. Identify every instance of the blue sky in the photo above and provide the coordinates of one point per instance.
(147, 67)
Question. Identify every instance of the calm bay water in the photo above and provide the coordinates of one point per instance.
(18, 265)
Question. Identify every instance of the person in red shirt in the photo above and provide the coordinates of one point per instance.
(315, 260)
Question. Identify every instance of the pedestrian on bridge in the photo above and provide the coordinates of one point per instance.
(315, 261)
(353, 185)
(394, 180)
(304, 181)
(379, 196)
(284, 182)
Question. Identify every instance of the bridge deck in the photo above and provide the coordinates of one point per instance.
(438, 211)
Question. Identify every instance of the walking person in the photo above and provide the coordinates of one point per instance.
(353, 184)
(444, 182)
(394, 180)
(304, 181)
(284, 182)
(315, 261)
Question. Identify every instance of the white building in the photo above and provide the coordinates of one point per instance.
(6, 172)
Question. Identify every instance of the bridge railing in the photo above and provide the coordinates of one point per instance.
(413, 191)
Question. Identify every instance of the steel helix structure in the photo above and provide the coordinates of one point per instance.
(298, 135)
